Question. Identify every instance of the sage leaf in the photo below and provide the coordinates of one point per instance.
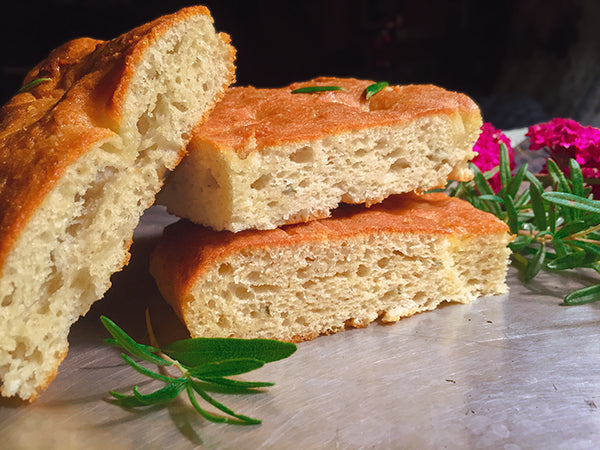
(225, 368)
(198, 351)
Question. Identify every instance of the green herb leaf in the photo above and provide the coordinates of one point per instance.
(537, 204)
(536, 263)
(244, 419)
(514, 184)
(577, 178)
(132, 346)
(572, 201)
(236, 383)
(568, 261)
(198, 351)
(32, 84)
(226, 367)
(585, 295)
(164, 395)
(313, 89)
(147, 372)
(557, 176)
(374, 88)
(591, 249)
(504, 166)
(198, 359)
(512, 218)
(520, 242)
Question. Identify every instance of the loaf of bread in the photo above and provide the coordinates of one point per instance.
(268, 157)
(400, 257)
(83, 151)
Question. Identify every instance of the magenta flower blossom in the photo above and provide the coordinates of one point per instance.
(488, 152)
(567, 139)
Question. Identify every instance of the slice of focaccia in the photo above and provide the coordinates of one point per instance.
(400, 257)
(268, 157)
(83, 150)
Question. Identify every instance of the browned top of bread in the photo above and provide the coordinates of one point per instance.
(250, 119)
(187, 250)
(46, 128)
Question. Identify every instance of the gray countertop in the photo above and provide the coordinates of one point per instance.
(512, 371)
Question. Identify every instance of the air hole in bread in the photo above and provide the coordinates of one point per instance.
(400, 164)
(7, 300)
(225, 269)
(419, 297)
(383, 262)
(254, 276)
(53, 283)
(381, 144)
(303, 155)
(308, 284)
(109, 147)
(362, 270)
(262, 182)
(143, 123)
(82, 279)
(243, 293)
(223, 322)
(301, 320)
(180, 106)
(20, 350)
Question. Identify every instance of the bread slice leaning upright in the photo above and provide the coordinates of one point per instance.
(397, 258)
(83, 150)
(270, 157)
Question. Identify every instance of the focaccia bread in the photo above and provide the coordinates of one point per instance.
(268, 157)
(400, 257)
(83, 151)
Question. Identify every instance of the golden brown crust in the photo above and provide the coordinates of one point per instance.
(45, 129)
(187, 250)
(249, 119)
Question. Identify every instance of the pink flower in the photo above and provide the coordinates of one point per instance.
(567, 139)
(488, 152)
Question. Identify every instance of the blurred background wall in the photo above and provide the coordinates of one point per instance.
(522, 61)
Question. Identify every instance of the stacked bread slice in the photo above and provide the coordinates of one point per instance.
(83, 151)
(273, 255)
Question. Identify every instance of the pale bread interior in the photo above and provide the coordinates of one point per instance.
(294, 293)
(80, 235)
(303, 181)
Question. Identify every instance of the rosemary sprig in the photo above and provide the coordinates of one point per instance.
(32, 84)
(557, 226)
(312, 89)
(203, 364)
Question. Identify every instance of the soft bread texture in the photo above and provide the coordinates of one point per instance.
(400, 257)
(268, 157)
(82, 154)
